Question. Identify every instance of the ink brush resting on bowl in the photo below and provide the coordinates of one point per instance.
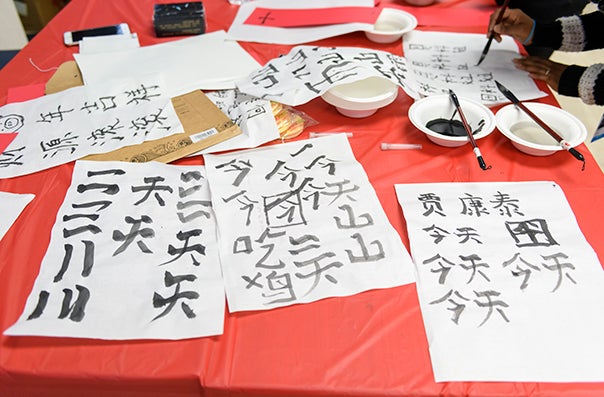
(435, 116)
(561, 141)
(469, 132)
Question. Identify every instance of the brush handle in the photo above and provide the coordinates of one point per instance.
(500, 16)
(540, 122)
(463, 118)
(466, 126)
(492, 34)
(561, 141)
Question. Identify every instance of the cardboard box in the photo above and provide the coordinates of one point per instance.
(204, 123)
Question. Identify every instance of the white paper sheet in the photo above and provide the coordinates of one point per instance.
(265, 34)
(59, 128)
(208, 62)
(307, 72)
(509, 288)
(12, 205)
(299, 222)
(440, 61)
(111, 43)
(429, 67)
(253, 115)
(133, 255)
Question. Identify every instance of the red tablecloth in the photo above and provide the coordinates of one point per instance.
(370, 344)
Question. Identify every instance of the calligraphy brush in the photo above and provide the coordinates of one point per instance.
(481, 162)
(492, 35)
(561, 141)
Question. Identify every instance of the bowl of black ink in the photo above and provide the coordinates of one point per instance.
(438, 118)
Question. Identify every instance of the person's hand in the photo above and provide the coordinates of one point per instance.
(542, 69)
(514, 23)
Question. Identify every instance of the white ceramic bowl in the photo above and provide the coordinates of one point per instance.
(391, 25)
(362, 98)
(441, 106)
(529, 138)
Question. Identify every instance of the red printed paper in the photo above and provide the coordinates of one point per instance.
(10, 124)
(5, 139)
(449, 17)
(290, 18)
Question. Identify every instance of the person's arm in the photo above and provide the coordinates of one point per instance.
(583, 82)
(586, 83)
(571, 34)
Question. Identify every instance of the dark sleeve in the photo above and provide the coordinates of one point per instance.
(584, 32)
(548, 34)
(593, 23)
(598, 88)
(586, 83)
(548, 10)
(569, 81)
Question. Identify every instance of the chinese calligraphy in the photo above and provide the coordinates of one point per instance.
(502, 270)
(299, 222)
(59, 128)
(130, 239)
(442, 61)
(307, 72)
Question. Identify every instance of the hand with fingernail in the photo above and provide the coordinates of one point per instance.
(542, 69)
(570, 33)
(514, 23)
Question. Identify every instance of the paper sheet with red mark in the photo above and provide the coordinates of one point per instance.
(9, 124)
(288, 18)
(449, 17)
(5, 139)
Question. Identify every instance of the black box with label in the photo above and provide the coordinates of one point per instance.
(178, 19)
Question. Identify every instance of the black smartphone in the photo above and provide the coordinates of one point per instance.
(73, 37)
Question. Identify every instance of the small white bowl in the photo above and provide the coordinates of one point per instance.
(528, 137)
(361, 98)
(433, 107)
(391, 25)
